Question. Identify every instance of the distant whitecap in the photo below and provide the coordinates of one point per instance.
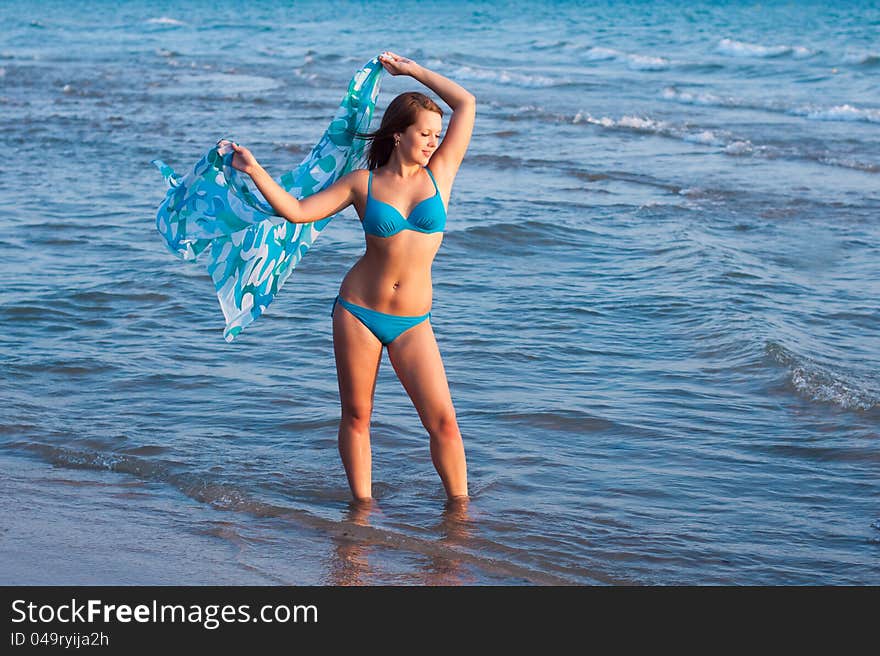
(633, 61)
(734, 48)
(165, 20)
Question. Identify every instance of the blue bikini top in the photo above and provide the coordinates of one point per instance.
(384, 220)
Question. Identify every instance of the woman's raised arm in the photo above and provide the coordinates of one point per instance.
(447, 158)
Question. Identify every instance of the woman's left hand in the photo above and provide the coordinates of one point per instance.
(243, 160)
(397, 65)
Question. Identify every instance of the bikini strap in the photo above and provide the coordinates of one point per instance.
(436, 188)
(370, 183)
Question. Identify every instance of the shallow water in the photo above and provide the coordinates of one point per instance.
(656, 298)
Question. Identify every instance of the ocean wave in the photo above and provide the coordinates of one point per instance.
(845, 112)
(566, 167)
(849, 163)
(500, 76)
(219, 85)
(822, 383)
(705, 98)
(526, 233)
(165, 20)
(653, 126)
(526, 113)
(733, 48)
(601, 54)
(561, 44)
(728, 143)
(634, 61)
(861, 58)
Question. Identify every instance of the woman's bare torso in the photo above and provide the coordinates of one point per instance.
(394, 274)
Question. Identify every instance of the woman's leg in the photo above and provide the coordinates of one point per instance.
(416, 359)
(358, 354)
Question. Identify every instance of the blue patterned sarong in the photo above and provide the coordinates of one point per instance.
(251, 251)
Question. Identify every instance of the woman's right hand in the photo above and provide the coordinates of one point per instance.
(397, 65)
(243, 160)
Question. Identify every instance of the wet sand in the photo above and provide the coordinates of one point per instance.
(68, 526)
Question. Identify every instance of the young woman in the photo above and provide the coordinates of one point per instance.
(385, 299)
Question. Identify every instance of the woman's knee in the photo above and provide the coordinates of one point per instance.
(443, 426)
(356, 417)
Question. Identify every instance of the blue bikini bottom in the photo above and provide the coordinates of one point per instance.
(386, 327)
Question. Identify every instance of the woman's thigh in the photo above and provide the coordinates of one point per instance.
(416, 359)
(358, 354)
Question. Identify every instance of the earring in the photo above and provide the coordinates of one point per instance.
(396, 142)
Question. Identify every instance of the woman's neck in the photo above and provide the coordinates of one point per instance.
(397, 167)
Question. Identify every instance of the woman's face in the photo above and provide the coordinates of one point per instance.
(421, 138)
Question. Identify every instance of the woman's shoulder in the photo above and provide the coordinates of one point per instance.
(356, 179)
(357, 182)
(357, 174)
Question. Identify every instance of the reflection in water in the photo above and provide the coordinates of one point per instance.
(454, 529)
(350, 565)
(353, 544)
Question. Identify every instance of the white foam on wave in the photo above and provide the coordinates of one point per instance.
(733, 48)
(602, 54)
(647, 124)
(651, 126)
(727, 142)
(707, 137)
(819, 382)
(634, 61)
(715, 100)
(849, 163)
(839, 113)
(165, 20)
(671, 93)
(638, 123)
(845, 112)
(501, 76)
(646, 63)
(739, 147)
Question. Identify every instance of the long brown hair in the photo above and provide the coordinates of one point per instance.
(400, 114)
